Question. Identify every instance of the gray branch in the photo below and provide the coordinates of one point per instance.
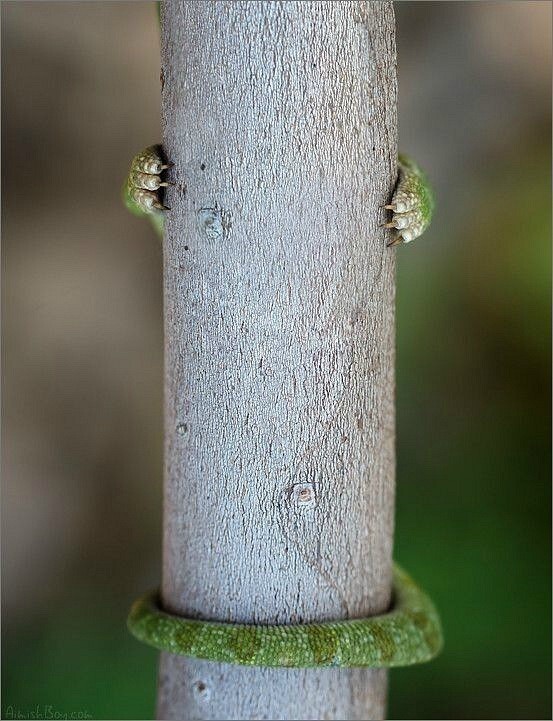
(280, 118)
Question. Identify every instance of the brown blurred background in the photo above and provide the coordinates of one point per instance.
(82, 371)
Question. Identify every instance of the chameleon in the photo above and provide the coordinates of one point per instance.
(412, 202)
(410, 631)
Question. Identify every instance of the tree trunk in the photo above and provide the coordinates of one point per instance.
(280, 118)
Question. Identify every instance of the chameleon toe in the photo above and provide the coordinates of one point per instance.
(412, 202)
(144, 188)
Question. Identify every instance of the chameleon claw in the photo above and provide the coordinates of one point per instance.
(412, 203)
(395, 241)
(142, 189)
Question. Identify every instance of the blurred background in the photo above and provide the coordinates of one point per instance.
(82, 362)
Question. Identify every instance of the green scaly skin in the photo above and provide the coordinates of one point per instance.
(407, 634)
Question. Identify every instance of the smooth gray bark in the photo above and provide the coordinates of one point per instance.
(280, 118)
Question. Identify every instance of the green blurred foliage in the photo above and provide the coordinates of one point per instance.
(81, 659)
(474, 435)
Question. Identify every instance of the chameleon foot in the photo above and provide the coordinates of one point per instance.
(412, 202)
(143, 188)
